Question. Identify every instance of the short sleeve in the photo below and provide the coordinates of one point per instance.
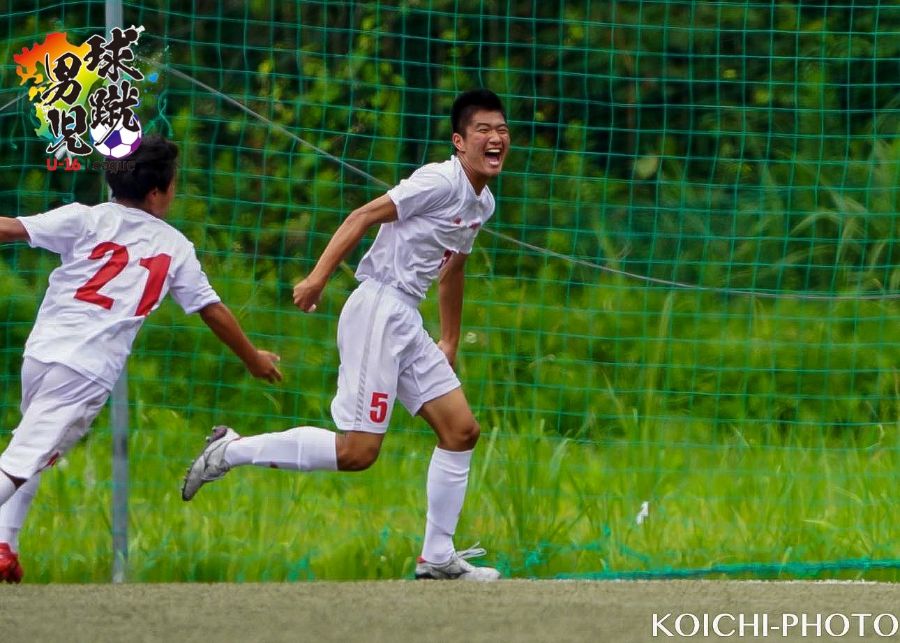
(468, 243)
(474, 228)
(190, 286)
(56, 230)
(424, 191)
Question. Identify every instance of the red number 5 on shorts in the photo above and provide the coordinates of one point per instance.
(379, 407)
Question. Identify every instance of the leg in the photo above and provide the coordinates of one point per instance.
(357, 450)
(367, 383)
(32, 375)
(304, 448)
(8, 485)
(12, 516)
(428, 387)
(307, 449)
(14, 511)
(451, 419)
(448, 473)
(58, 407)
(14, 505)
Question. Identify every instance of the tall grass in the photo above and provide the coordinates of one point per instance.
(544, 506)
(762, 435)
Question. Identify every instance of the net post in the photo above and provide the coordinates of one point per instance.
(119, 418)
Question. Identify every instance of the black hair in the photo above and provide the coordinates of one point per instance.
(467, 103)
(152, 165)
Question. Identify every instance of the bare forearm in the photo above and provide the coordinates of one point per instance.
(12, 230)
(344, 240)
(348, 234)
(450, 298)
(222, 322)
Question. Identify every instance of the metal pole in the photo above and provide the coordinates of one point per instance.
(113, 14)
(119, 417)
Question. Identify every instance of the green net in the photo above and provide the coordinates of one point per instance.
(681, 326)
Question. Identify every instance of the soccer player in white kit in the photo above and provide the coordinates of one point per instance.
(428, 225)
(119, 259)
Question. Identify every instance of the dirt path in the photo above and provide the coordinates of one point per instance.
(432, 611)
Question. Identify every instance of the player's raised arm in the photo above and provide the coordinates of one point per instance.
(348, 234)
(12, 230)
(221, 321)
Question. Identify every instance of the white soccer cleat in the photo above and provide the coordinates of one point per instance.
(210, 464)
(457, 568)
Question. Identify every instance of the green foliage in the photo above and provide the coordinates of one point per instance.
(754, 502)
(747, 151)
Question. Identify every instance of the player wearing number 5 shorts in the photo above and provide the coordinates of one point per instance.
(428, 225)
(118, 261)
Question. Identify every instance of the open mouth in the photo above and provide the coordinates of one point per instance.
(493, 156)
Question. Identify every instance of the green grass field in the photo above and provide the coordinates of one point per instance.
(739, 498)
(762, 449)
(572, 445)
(544, 506)
(734, 147)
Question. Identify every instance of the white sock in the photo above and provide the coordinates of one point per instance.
(14, 510)
(304, 448)
(448, 477)
(7, 488)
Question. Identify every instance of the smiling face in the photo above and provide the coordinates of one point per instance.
(483, 146)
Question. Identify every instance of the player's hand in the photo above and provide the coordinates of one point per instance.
(265, 367)
(449, 352)
(306, 294)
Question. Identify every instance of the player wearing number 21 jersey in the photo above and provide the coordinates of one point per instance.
(426, 227)
(117, 265)
(118, 261)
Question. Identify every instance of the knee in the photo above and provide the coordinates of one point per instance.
(464, 437)
(355, 457)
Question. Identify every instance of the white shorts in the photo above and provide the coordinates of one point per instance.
(386, 355)
(58, 407)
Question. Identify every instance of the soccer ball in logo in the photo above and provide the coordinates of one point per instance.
(116, 142)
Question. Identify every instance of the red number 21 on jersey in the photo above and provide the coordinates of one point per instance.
(158, 267)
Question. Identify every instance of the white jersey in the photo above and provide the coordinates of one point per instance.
(117, 265)
(438, 214)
